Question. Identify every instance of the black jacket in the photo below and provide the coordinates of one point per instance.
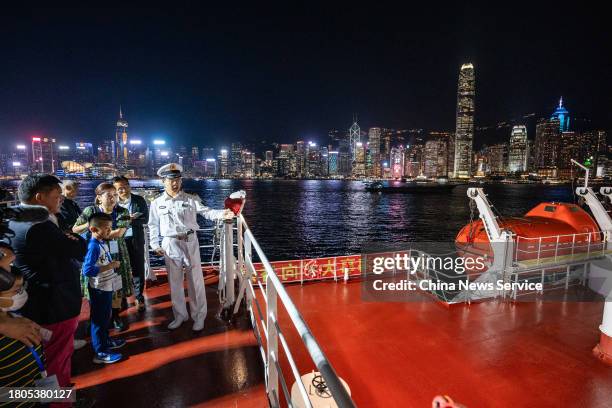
(139, 204)
(68, 215)
(45, 257)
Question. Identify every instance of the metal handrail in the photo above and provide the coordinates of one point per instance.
(275, 290)
(552, 245)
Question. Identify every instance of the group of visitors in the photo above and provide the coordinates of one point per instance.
(49, 265)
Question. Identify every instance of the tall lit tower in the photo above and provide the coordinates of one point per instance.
(464, 134)
(121, 140)
(44, 155)
(354, 137)
(563, 115)
(374, 146)
(374, 140)
(518, 151)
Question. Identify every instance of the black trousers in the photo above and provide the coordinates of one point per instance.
(137, 260)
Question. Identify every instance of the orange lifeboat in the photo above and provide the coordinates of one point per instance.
(548, 230)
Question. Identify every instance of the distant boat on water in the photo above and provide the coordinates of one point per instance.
(416, 186)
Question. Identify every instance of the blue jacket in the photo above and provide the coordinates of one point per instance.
(90, 267)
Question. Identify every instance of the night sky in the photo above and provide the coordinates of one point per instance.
(211, 76)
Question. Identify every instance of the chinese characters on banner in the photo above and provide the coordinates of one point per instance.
(312, 269)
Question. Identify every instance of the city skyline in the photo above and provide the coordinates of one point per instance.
(322, 138)
(379, 153)
(288, 74)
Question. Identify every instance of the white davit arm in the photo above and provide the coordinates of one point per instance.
(487, 216)
(606, 192)
(599, 212)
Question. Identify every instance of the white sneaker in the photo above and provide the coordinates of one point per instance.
(79, 344)
(176, 323)
(198, 325)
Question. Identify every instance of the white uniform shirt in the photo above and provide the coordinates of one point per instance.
(173, 217)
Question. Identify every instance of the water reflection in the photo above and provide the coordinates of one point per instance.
(314, 218)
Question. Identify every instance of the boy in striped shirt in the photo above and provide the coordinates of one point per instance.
(99, 267)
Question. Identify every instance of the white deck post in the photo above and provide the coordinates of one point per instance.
(229, 263)
(272, 352)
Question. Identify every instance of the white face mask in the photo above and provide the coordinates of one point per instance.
(19, 299)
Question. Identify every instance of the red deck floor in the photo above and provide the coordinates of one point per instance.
(218, 367)
(492, 354)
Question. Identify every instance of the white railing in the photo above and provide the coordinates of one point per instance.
(561, 248)
(266, 325)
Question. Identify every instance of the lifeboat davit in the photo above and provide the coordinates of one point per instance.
(548, 230)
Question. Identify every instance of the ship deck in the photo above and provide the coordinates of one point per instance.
(392, 354)
(218, 367)
(489, 354)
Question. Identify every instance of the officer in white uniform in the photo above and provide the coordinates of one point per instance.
(173, 216)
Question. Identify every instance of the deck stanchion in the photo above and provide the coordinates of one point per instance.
(272, 338)
(247, 254)
(229, 268)
(589, 246)
(518, 239)
(240, 239)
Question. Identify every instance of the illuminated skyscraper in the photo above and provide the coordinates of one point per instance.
(562, 115)
(83, 152)
(207, 153)
(464, 135)
(413, 161)
(518, 151)
(105, 151)
(497, 158)
(359, 164)
(435, 157)
(332, 163)
(21, 155)
(224, 162)
(385, 148)
(236, 159)
(571, 146)
(44, 155)
(396, 160)
(374, 146)
(299, 167)
(547, 147)
(195, 154)
(121, 141)
(354, 138)
(374, 140)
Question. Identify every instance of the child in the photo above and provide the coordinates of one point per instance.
(99, 268)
